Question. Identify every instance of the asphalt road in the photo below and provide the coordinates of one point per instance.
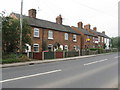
(93, 72)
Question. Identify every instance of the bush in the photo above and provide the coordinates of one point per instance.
(59, 50)
(13, 58)
(6, 56)
(24, 58)
(100, 50)
(93, 49)
(10, 60)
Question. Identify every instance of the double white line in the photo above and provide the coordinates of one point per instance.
(95, 62)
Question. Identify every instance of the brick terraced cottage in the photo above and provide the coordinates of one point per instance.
(48, 35)
(86, 36)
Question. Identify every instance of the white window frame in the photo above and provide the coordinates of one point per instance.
(36, 45)
(102, 39)
(66, 36)
(36, 30)
(75, 38)
(50, 34)
(98, 38)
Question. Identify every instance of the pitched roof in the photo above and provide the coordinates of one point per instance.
(47, 24)
(94, 32)
(103, 35)
(84, 31)
(100, 34)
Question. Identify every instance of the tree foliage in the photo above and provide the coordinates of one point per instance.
(116, 42)
(11, 34)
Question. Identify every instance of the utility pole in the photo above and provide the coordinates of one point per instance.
(21, 25)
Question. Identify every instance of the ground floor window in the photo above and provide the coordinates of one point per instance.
(50, 47)
(36, 47)
(66, 47)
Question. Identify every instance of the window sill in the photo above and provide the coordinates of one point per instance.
(74, 40)
(36, 36)
(36, 51)
(50, 38)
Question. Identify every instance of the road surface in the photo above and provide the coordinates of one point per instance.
(94, 72)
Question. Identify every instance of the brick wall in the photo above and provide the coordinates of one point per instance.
(59, 37)
(37, 40)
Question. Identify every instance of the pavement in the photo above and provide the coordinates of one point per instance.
(46, 61)
(100, 71)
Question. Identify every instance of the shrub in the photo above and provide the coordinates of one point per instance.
(93, 49)
(24, 58)
(59, 50)
(13, 58)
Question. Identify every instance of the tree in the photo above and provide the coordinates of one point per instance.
(11, 35)
(116, 42)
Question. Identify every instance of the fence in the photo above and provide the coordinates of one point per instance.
(71, 54)
(53, 55)
(37, 56)
(48, 55)
(59, 54)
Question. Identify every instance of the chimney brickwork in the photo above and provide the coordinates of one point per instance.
(32, 13)
(80, 25)
(59, 19)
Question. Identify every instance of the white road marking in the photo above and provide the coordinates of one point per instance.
(30, 76)
(116, 56)
(95, 62)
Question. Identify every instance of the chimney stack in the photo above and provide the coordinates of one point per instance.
(87, 27)
(80, 25)
(95, 28)
(59, 19)
(32, 13)
(103, 32)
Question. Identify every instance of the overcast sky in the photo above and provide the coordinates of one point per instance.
(102, 14)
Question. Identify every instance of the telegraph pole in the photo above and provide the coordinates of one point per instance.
(21, 25)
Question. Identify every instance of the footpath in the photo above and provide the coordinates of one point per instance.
(46, 61)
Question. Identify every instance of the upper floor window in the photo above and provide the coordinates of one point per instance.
(50, 34)
(93, 39)
(36, 47)
(36, 32)
(102, 39)
(74, 38)
(88, 39)
(66, 36)
(99, 39)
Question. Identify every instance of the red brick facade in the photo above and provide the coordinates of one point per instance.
(58, 37)
(83, 41)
